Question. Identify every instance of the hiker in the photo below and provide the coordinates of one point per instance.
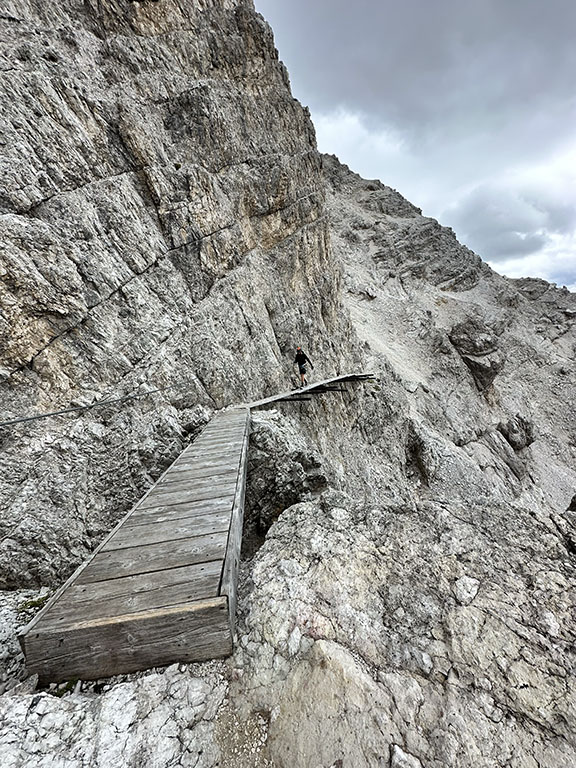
(301, 359)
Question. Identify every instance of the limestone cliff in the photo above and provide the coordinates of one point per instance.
(162, 225)
(410, 561)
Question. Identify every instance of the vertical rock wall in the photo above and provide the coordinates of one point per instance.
(162, 224)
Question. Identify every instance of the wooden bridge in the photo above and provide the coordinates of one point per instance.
(162, 586)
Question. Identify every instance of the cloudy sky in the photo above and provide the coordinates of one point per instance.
(466, 107)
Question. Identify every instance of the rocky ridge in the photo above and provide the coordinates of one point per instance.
(407, 598)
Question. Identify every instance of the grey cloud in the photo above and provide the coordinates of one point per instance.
(479, 91)
(561, 216)
(565, 277)
(505, 245)
(438, 69)
(504, 223)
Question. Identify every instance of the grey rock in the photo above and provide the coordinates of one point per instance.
(283, 469)
(518, 431)
(168, 222)
(159, 719)
(366, 626)
(484, 369)
(474, 337)
(401, 759)
(478, 346)
(162, 225)
(466, 589)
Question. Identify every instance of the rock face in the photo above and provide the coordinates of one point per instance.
(408, 586)
(162, 225)
(478, 346)
(283, 469)
(161, 719)
(398, 623)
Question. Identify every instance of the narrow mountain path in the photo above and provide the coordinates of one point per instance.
(162, 586)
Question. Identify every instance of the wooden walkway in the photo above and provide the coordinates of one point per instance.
(335, 384)
(161, 587)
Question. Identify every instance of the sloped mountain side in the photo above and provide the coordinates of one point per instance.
(488, 363)
(410, 561)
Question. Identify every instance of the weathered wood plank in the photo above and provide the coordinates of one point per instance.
(200, 455)
(202, 467)
(309, 388)
(194, 472)
(199, 484)
(133, 594)
(165, 518)
(201, 462)
(213, 447)
(228, 438)
(168, 498)
(191, 476)
(172, 529)
(131, 604)
(220, 429)
(223, 437)
(175, 511)
(155, 557)
(106, 647)
(208, 453)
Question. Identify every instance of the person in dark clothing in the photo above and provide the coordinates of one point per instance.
(301, 359)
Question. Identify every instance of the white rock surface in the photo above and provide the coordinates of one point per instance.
(160, 720)
(465, 589)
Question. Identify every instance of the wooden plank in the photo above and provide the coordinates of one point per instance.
(225, 420)
(166, 558)
(184, 483)
(309, 388)
(233, 546)
(209, 452)
(193, 472)
(187, 475)
(104, 647)
(172, 529)
(201, 460)
(169, 498)
(175, 511)
(133, 594)
(235, 413)
(219, 430)
(222, 435)
(213, 452)
(228, 442)
(155, 557)
(205, 461)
